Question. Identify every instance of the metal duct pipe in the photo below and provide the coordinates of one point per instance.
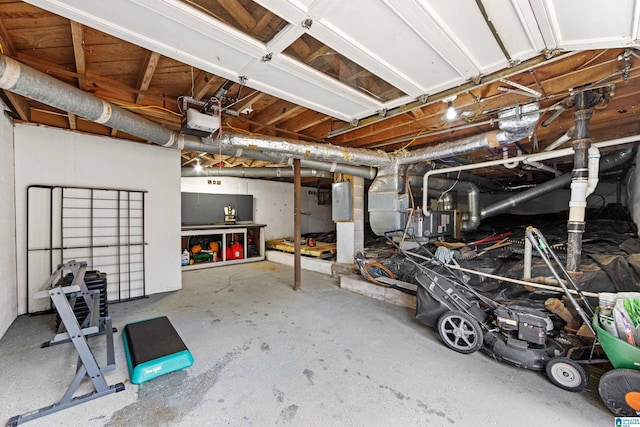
(26, 81)
(445, 201)
(606, 163)
(388, 200)
(18, 78)
(367, 172)
(515, 124)
(303, 150)
(490, 139)
(253, 173)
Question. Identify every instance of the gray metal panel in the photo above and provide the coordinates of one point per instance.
(341, 204)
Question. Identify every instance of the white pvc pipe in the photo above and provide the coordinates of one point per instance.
(594, 169)
(505, 155)
(558, 142)
(542, 166)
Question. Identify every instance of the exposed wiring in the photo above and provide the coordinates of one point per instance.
(450, 188)
(149, 107)
(238, 130)
(412, 141)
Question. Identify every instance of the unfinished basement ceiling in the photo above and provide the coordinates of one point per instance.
(359, 73)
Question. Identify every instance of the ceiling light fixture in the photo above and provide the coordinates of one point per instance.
(451, 112)
(198, 166)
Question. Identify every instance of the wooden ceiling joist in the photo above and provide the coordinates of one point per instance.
(146, 74)
(77, 37)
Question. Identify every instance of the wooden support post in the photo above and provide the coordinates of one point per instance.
(297, 223)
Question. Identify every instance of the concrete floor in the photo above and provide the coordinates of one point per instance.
(266, 355)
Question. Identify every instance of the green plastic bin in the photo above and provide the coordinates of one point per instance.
(621, 354)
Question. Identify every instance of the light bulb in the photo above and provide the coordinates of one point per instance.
(451, 112)
(198, 166)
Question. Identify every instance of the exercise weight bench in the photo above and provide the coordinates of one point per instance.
(87, 367)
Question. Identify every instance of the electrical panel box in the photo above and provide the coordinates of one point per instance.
(341, 201)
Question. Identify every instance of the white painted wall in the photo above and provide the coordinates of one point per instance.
(272, 203)
(8, 289)
(52, 156)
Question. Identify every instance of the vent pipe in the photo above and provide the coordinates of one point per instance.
(606, 163)
(253, 173)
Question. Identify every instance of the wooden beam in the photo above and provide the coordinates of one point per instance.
(277, 111)
(146, 73)
(7, 44)
(18, 102)
(203, 84)
(20, 105)
(418, 113)
(72, 121)
(77, 38)
(304, 121)
(247, 101)
(239, 13)
(61, 73)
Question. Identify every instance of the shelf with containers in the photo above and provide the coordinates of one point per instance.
(221, 244)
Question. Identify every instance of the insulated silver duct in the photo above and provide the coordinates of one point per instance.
(388, 201)
(606, 163)
(367, 172)
(303, 150)
(18, 78)
(515, 124)
(253, 172)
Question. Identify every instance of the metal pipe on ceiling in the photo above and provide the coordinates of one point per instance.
(18, 78)
(367, 172)
(303, 150)
(253, 173)
(33, 84)
(23, 80)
